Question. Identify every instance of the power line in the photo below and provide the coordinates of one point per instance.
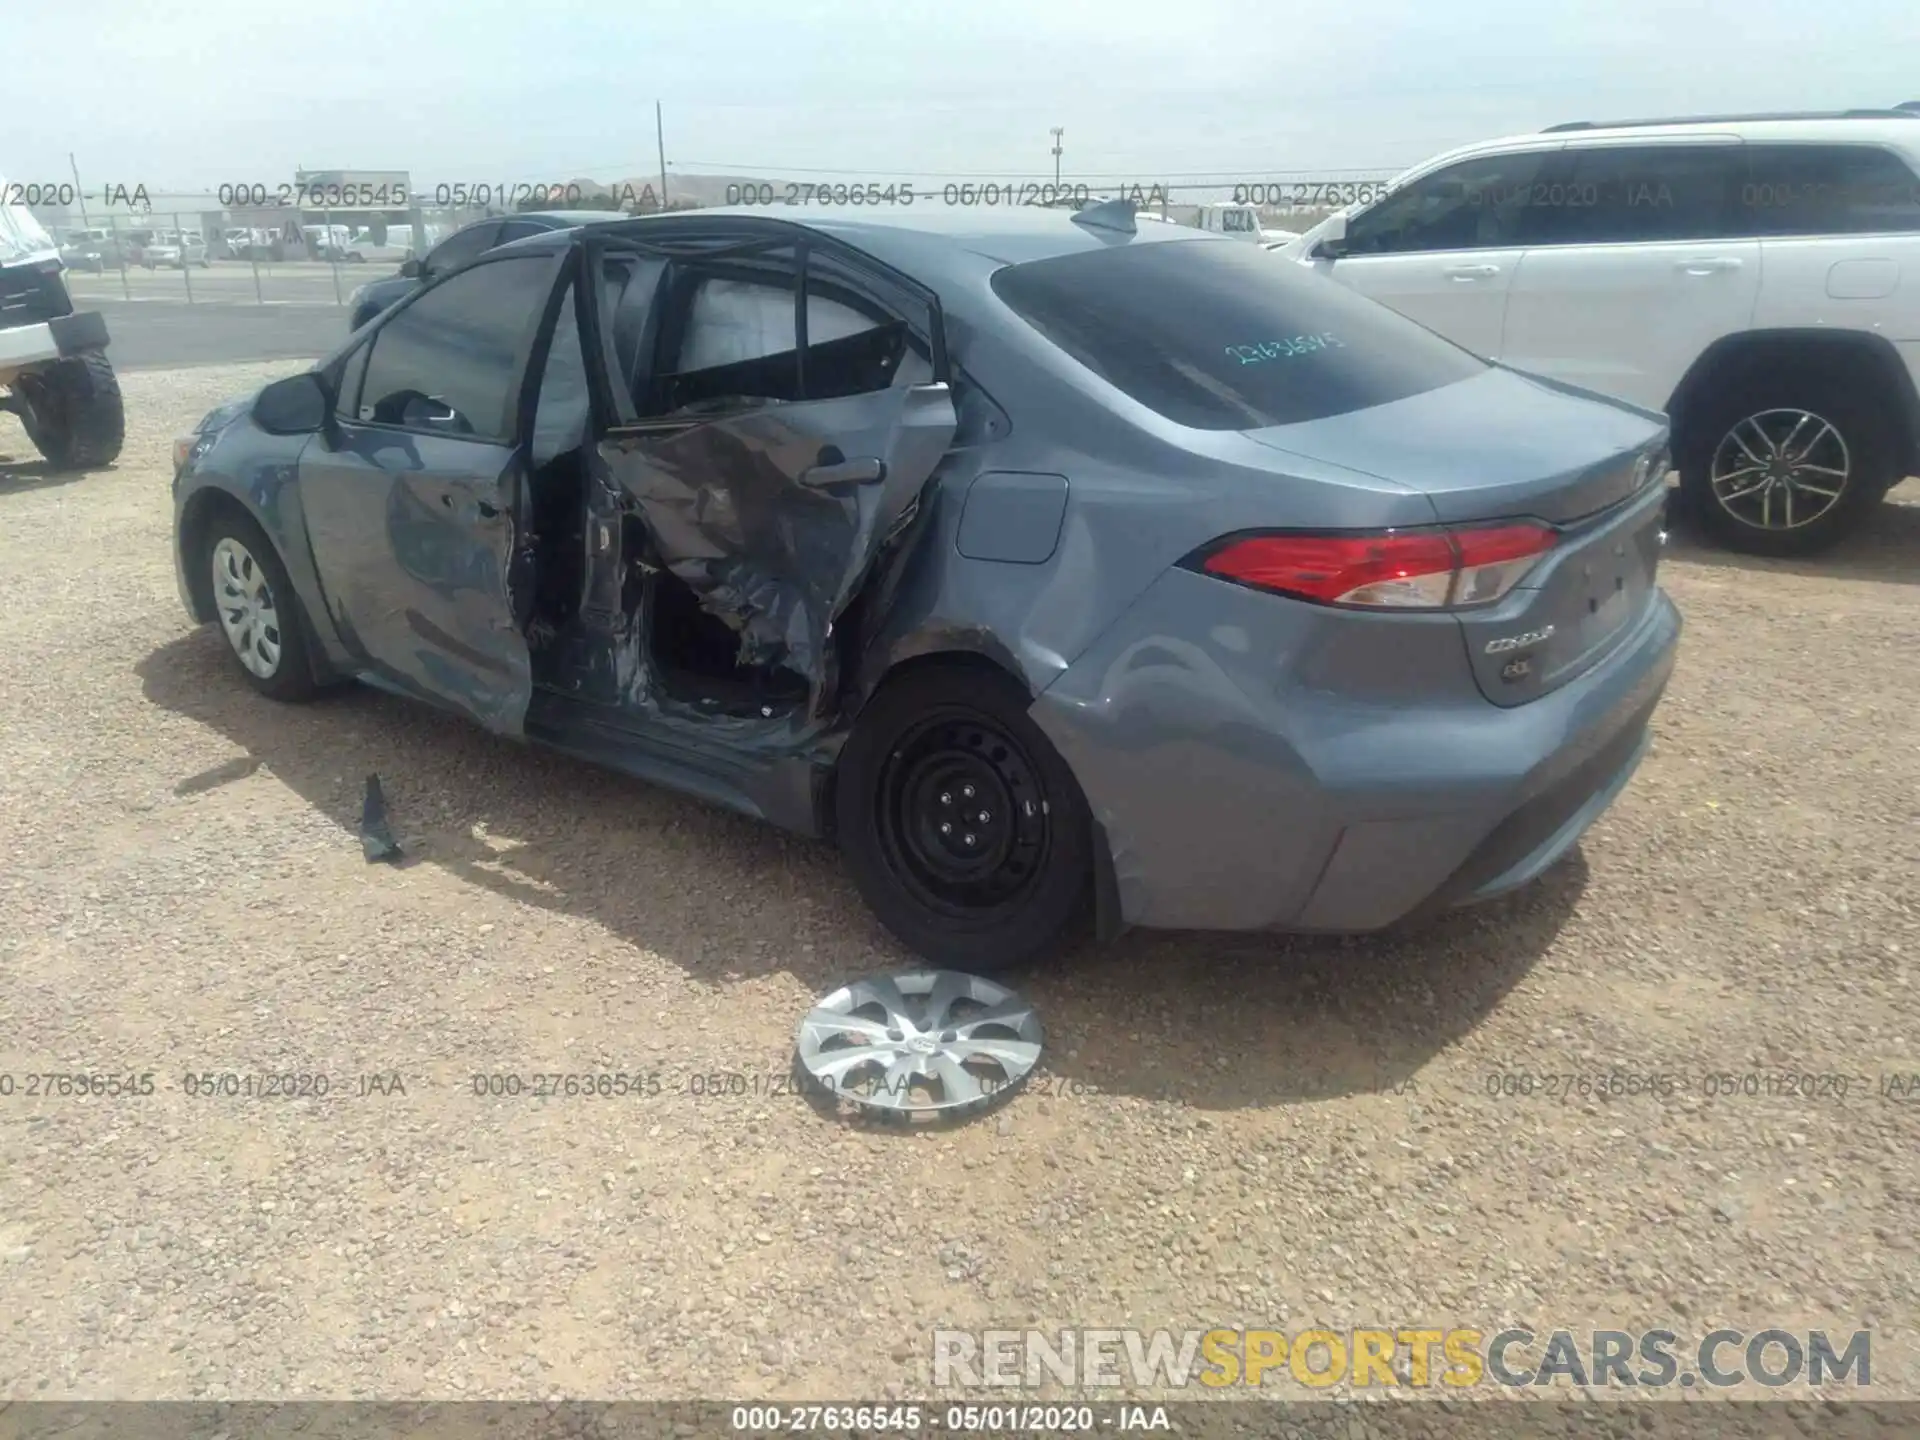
(1140, 175)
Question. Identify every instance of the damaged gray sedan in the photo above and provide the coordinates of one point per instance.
(1063, 572)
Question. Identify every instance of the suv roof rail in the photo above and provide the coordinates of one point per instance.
(1910, 110)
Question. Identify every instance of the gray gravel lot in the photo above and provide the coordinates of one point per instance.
(1231, 1131)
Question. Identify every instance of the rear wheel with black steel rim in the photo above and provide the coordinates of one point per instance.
(963, 828)
(1788, 462)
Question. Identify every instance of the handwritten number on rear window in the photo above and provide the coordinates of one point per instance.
(1263, 350)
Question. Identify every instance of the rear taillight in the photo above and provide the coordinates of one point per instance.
(1386, 570)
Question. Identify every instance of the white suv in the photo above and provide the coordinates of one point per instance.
(1756, 277)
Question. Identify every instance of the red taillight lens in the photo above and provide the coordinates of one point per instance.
(1407, 569)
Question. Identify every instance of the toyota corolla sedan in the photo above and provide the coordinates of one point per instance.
(1066, 572)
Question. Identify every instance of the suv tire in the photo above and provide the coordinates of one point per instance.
(73, 412)
(1854, 449)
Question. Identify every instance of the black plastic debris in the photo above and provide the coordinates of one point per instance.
(376, 835)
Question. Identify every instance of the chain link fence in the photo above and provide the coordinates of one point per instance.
(291, 244)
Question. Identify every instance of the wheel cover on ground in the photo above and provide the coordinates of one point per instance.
(962, 818)
(921, 1044)
(245, 601)
(1780, 469)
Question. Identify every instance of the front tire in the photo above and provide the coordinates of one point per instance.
(1787, 461)
(963, 828)
(74, 414)
(256, 608)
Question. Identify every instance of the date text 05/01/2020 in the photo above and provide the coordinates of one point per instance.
(908, 1419)
(905, 192)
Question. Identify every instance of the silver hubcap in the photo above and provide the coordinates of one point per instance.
(245, 602)
(1780, 469)
(921, 1044)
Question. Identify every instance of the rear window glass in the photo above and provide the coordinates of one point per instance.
(1227, 336)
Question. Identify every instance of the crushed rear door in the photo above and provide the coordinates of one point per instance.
(773, 517)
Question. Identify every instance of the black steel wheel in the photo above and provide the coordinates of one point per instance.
(962, 816)
(963, 827)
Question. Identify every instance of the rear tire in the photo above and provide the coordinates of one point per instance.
(73, 412)
(1735, 487)
(941, 756)
(256, 608)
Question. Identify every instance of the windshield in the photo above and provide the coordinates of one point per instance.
(1227, 337)
(1239, 221)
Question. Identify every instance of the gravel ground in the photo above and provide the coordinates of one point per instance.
(1232, 1131)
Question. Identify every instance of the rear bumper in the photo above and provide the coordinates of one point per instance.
(1246, 788)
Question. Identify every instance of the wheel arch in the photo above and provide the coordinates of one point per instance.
(1868, 358)
(199, 512)
(986, 657)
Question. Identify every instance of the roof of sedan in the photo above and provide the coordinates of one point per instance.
(573, 217)
(905, 232)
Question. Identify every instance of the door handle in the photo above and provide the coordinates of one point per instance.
(846, 472)
(1713, 266)
(1472, 272)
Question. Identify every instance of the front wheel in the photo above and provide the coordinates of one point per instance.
(73, 412)
(258, 612)
(964, 829)
(1788, 463)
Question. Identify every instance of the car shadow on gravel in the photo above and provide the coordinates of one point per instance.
(1215, 1021)
(1885, 549)
(18, 476)
(1228, 1021)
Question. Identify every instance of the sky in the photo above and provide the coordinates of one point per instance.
(243, 91)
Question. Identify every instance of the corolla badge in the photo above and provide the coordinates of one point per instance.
(1519, 642)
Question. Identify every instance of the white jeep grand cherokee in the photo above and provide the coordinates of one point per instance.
(1757, 277)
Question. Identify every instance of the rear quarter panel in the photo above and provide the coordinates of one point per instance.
(1141, 494)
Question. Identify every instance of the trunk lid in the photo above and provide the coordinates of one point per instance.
(1505, 446)
(1572, 609)
(1499, 446)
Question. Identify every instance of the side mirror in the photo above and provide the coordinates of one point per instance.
(297, 405)
(1332, 243)
(411, 269)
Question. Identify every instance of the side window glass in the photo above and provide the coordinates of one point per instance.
(741, 343)
(1479, 204)
(1828, 190)
(448, 362)
(562, 411)
(518, 230)
(1638, 193)
(629, 285)
(461, 246)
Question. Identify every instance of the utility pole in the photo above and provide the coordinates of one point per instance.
(80, 194)
(660, 139)
(1056, 132)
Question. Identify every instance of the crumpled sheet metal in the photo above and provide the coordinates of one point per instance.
(772, 556)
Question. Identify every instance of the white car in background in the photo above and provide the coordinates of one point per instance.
(175, 250)
(1757, 277)
(395, 248)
